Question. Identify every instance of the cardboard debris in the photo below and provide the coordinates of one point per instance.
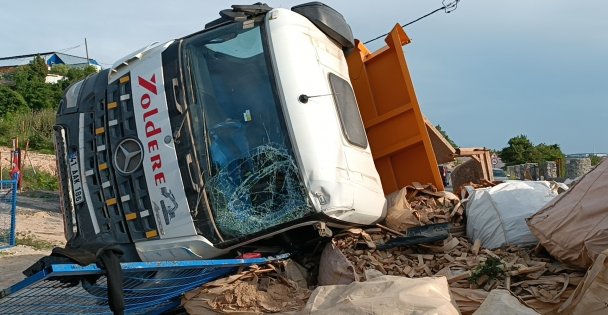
(573, 227)
(464, 189)
(471, 271)
(419, 205)
(538, 281)
(468, 300)
(335, 268)
(483, 183)
(260, 289)
(591, 295)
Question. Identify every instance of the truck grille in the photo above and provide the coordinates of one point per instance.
(117, 204)
(125, 195)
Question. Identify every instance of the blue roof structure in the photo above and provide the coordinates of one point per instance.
(51, 59)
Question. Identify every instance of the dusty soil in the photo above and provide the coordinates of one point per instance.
(42, 162)
(38, 220)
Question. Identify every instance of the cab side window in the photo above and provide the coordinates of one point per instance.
(348, 111)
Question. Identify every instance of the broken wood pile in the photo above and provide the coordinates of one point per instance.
(271, 288)
(418, 205)
(536, 279)
(482, 183)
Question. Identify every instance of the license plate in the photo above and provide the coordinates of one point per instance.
(76, 179)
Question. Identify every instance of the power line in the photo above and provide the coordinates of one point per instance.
(451, 6)
(66, 49)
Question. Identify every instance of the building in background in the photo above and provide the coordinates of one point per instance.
(10, 64)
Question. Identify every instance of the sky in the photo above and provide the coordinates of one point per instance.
(486, 72)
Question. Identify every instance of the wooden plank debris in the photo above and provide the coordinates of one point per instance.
(476, 245)
(252, 291)
(470, 270)
(537, 280)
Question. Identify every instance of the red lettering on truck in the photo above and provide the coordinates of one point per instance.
(150, 128)
(149, 113)
(156, 163)
(148, 85)
(145, 101)
(152, 146)
(159, 178)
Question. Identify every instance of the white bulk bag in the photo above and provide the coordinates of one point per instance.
(496, 215)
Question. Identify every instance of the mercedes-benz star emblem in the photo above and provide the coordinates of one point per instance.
(128, 156)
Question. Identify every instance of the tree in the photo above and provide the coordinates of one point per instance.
(39, 68)
(60, 70)
(37, 94)
(72, 75)
(30, 85)
(27, 109)
(29, 82)
(10, 101)
(75, 74)
(550, 152)
(521, 150)
(445, 135)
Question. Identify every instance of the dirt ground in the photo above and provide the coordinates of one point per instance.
(38, 222)
(42, 162)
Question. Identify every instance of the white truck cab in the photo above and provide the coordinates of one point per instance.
(192, 148)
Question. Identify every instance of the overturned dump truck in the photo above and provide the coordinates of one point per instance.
(197, 146)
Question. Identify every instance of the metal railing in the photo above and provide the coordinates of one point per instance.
(8, 206)
(148, 287)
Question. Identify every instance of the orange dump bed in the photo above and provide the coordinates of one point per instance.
(395, 126)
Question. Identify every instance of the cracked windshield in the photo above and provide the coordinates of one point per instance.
(253, 181)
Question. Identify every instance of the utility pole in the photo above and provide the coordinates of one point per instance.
(86, 47)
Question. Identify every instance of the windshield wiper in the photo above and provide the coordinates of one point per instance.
(178, 131)
(194, 96)
(199, 197)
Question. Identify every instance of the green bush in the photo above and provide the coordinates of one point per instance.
(595, 160)
(39, 181)
(31, 181)
(492, 268)
(28, 106)
(10, 101)
(26, 124)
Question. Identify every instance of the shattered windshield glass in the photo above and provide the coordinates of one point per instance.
(252, 179)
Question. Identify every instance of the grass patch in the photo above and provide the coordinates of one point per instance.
(33, 241)
(491, 268)
(40, 180)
